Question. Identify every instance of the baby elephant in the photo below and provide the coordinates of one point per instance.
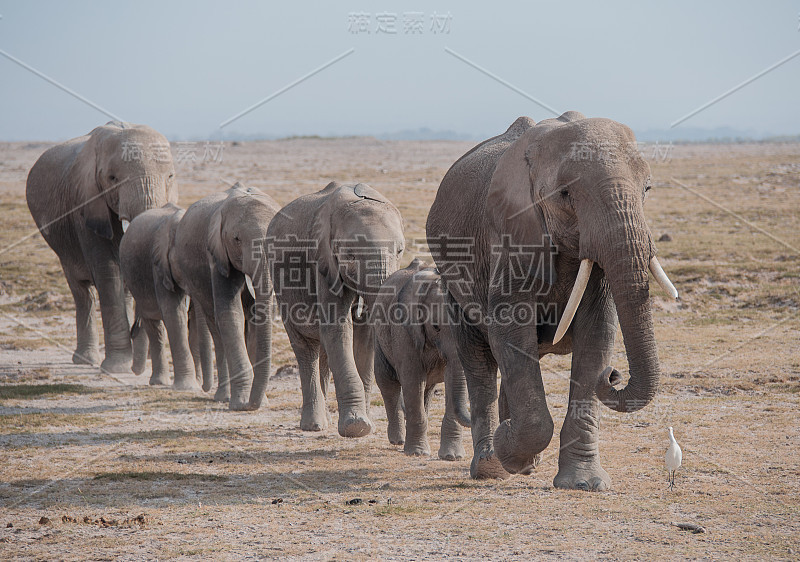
(144, 255)
(414, 351)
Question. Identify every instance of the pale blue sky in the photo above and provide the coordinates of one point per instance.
(185, 67)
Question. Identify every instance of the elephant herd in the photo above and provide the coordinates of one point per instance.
(540, 246)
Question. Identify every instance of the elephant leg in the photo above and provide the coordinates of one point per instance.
(364, 353)
(200, 342)
(141, 350)
(593, 333)
(520, 439)
(451, 447)
(450, 443)
(113, 309)
(480, 371)
(102, 261)
(174, 311)
(87, 351)
(314, 413)
(391, 391)
(337, 338)
(229, 317)
(223, 393)
(416, 400)
(158, 352)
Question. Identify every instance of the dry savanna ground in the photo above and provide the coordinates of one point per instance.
(121, 470)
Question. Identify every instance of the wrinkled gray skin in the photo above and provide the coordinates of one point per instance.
(527, 184)
(218, 241)
(348, 240)
(78, 193)
(144, 256)
(414, 351)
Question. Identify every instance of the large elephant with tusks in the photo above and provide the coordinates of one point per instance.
(541, 239)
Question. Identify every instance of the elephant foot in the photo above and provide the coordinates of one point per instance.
(397, 435)
(160, 379)
(138, 367)
(240, 399)
(486, 465)
(223, 394)
(519, 458)
(116, 364)
(314, 417)
(451, 451)
(353, 424)
(186, 384)
(588, 476)
(417, 448)
(86, 357)
(537, 460)
(239, 405)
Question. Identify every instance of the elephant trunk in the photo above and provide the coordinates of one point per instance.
(456, 398)
(626, 268)
(374, 278)
(263, 319)
(141, 194)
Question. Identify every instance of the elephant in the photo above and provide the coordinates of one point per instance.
(82, 194)
(145, 254)
(414, 351)
(219, 260)
(541, 240)
(330, 251)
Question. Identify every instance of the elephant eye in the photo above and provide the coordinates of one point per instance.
(112, 177)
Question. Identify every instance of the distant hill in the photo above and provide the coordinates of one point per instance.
(678, 135)
(427, 134)
(719, 135)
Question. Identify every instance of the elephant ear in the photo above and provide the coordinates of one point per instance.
(89, 194)
(416, 264)
(364, 191)
(327, 265)
(162, 246)
(216, 245)
(409, 296)
(509, 206)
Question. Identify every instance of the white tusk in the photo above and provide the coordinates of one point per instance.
(360, 307)
(663, 280)
(574, 299)
(249, 283)
(125, 225)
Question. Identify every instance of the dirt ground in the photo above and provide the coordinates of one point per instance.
(101, 467)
